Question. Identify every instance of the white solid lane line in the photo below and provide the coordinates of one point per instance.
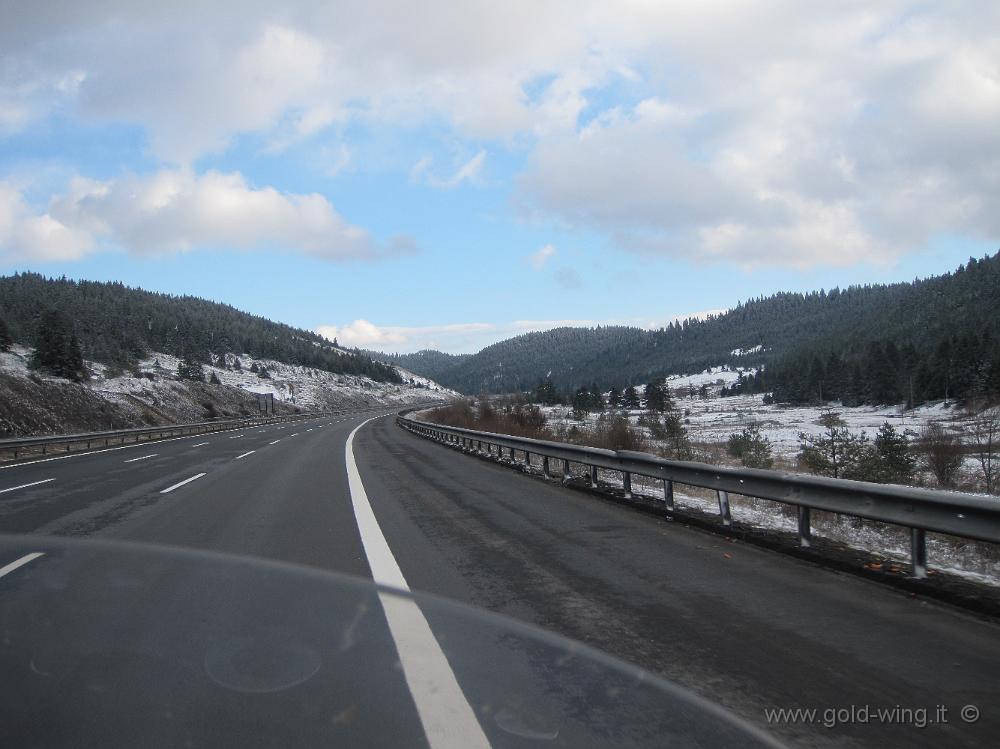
(25, 486)
(179, 484)
(144, 457)
(274, 443)
(7, 569)
(448, 719)
(240, 457)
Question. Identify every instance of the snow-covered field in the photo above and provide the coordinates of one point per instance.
(711, 421)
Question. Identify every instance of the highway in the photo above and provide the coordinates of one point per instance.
(744, 627)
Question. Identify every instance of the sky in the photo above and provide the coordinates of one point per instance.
(447, 174)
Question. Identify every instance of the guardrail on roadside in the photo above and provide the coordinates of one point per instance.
(920, 510)
(18, 444)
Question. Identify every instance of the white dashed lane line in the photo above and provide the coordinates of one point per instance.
(237, 436)
(8, 568)
(144, 457)
(274, 443)
(179, 484)
(200, 444)
(25, 486)
(240, 457)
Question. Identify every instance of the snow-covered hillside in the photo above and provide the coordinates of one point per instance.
(153, 394)
(295, 385)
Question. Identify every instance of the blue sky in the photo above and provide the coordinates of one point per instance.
(451, 176)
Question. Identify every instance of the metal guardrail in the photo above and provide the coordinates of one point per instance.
(17, 444)
(921, 510)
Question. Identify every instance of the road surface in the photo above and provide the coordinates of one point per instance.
(744, 627)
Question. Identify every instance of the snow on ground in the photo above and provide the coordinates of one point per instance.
(15, 361)
(711, 421)
(155, 392)
(296, 385)
(714, 419)
(713, 376)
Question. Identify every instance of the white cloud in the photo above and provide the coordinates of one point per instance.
(177, 210)
(537, 260)
(196, 79)
(26, 234)
(771, 133)
(468, 171)
(363, 334)
(464, 338)
(852, 133)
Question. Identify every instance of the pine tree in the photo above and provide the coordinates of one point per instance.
(57, 349)
(188, 369)
(545, 393)
(5, 340)
(833, 451)
(751, 447)
(614, 397)
(896, 462)
(657, 396)
(596, 398)
(630, 398)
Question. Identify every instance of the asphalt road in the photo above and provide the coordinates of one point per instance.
(746, 628)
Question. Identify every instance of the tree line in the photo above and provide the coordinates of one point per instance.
(884, 343)
(67, 321)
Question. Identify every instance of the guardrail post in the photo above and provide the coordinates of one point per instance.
(565, 467)
(593, 477)
(805, 528)
(545, 467)
(627, 484)
(668, 494)
(918, 551)
(527, 459)
(724, 513)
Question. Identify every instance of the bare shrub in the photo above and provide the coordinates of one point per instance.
(613, 432)
(942, 453)
(985, 437)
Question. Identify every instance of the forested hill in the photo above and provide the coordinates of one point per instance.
(117, 325)
(426, 363)
(927, 318)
